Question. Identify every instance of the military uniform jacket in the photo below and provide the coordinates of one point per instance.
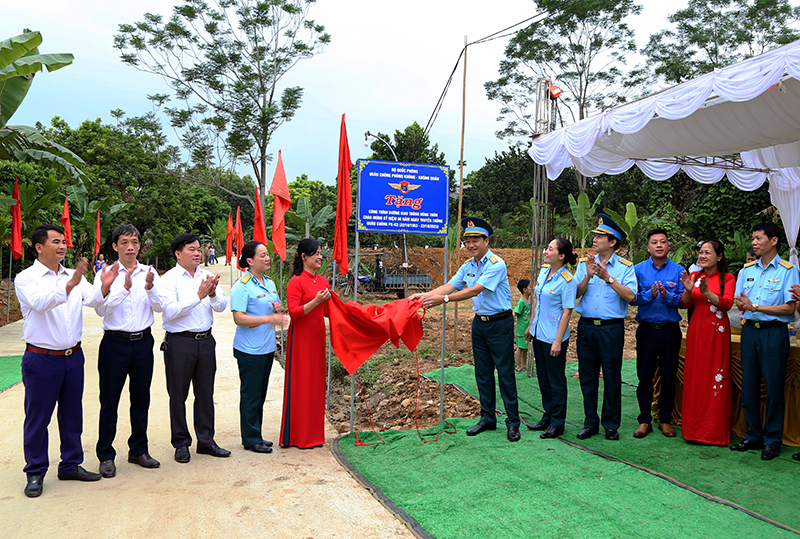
(771, 285)
(553, 295)
(600, 300)
(250, 297)
(490, 272)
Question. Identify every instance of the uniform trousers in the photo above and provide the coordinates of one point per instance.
(601, 346)
(254, 371)
(657, 348)
(49, 380)
(493, 347)
(552, 381)
(764, 353)
(188, 360)
(118, 359)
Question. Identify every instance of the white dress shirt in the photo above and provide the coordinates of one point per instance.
(129, 310)
(53, 320)
(182, 309)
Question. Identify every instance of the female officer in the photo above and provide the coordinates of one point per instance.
(552, 303)
(256, 310)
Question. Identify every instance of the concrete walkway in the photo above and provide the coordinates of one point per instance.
(289, 493)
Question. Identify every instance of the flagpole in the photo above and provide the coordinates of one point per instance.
(444, 332)
(353, 376)
(283, 346)
(8, 307)
(328, 387)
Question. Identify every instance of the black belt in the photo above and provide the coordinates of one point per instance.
(665, 325)
(765, 325)
(491, 317)
(137, 336)
(46, 352)
(198, 336)
(601, 321)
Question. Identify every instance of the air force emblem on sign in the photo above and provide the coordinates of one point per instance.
(404, 186)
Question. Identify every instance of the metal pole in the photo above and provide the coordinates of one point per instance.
(460, 190)
(283, 341)
(444, 330)
(8, 307)
(328, 387)
(353, 376)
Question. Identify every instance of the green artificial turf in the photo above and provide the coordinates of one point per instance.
(769, 488)
(10, 372)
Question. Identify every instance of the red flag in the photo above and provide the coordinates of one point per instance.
(97, 236)
(66, 224)
(344, 201)
(16, 223)
(259, 226)
(229, 240)
(281, 203)
(239, 236)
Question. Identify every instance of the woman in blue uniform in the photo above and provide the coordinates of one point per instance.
(256, 309)
(552, 303)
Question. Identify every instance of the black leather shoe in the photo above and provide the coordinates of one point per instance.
(513, 434)
(541, 425)
(108, 468)
(214, 450)
(747, 445)
(612, 434)
(144, 460)
(480, 427)
(80, 475)
(586, 433)
(182, 454)
(267, 443)
(552, 432)
(260, 447)
(769, 452)
(796, 456)
(34, 487)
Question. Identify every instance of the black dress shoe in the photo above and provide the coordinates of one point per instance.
(213, 450)
(108, 468)
(267, 443)
(513, 434)
(480, 427)
(80, 475)
(260, 447)
(796, 456)
(541, 425)
(34, 487)
(144, 460)
(552, 432)
(612, 434)
(769, 452)
(747, 445)
(586, 433)
(182, 454)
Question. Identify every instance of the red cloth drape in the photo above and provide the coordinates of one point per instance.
(16, 223)
(66, 223)
(281, 203)
(259, 228)
(357, 331)
(229, 240)
(97, 235)
(344, 202)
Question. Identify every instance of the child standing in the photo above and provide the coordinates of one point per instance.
(523, 313)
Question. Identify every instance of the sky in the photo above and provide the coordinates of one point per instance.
(385, 68)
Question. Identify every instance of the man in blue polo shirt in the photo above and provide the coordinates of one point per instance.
(658, 337)
(484, 279)
(606, 283)
(764, 295)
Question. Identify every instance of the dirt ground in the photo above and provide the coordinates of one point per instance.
(15, 314)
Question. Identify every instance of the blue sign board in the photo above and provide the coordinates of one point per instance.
(402, 198)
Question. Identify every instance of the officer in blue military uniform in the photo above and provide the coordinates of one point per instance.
(764, 295)
(606, 284)
(484, 280)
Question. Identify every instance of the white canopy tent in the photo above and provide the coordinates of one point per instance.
(742, 121)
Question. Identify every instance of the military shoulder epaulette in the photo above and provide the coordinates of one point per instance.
(566, 275)
(581, 260)
(493, 259)
(751, 263)
(545, 266)
(246, 278)
(785, 264)
(626, 262)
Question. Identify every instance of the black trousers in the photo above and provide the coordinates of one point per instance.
(601, 346)
(493, 347)
(190, 361)
(254, 370)
(119, 359)
(657, 348)
(552, 381)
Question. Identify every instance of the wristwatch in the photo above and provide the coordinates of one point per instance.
(755, 307)
(610, 280)
(446, 298)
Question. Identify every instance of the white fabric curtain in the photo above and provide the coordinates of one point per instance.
(788, 203)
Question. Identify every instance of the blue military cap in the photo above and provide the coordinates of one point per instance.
(475, 226)
(606, 225)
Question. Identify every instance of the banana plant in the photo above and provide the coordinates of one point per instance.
(582, 212)
(303, 218)
(636, 229)
(83, 214)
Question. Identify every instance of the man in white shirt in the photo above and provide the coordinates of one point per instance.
(189, 296)
(126, 351)
(52, 298)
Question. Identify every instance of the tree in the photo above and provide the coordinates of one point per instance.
(19, 62)
(224, 61)
(709, 35)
